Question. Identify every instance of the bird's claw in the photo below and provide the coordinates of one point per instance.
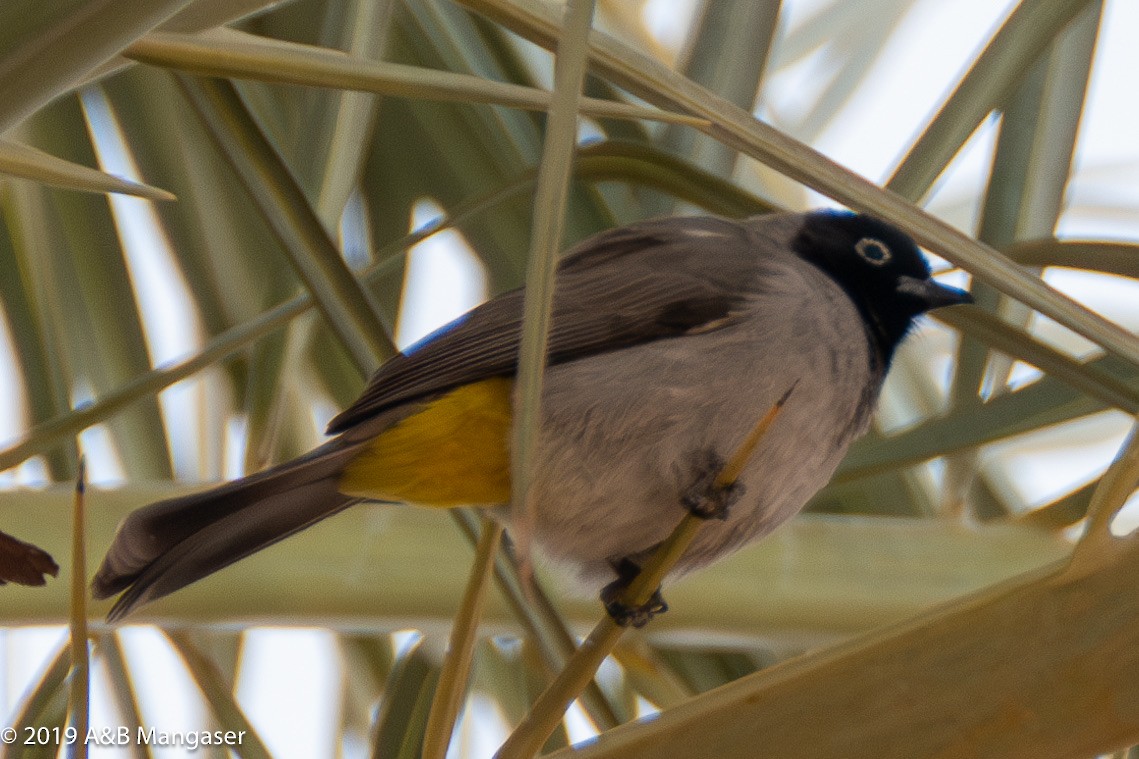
(705, 497)
(622, 613)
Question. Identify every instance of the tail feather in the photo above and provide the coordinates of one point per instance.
(170, 544)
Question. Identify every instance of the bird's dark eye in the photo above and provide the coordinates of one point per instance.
(873, 251)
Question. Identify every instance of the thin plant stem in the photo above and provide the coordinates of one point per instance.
(528, 738)
(80, 692)
(455, 675)
(541, 622)
(1117, 484)
(549, 221)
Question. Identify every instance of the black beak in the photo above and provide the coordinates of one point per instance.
(931, 293)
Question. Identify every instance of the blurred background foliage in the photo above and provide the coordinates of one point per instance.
(350, 174)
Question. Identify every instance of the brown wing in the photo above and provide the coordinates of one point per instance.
(630, 285)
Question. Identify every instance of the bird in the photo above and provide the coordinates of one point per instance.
(669, 339)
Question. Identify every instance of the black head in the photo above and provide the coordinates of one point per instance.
(879, 267)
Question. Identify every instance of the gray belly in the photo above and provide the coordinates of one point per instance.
(624, 432)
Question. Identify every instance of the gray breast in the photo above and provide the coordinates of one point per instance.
(624, 430)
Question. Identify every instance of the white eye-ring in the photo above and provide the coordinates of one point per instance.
(873, 251)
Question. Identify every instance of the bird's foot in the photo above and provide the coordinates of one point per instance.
(705, 497)
(624, 614)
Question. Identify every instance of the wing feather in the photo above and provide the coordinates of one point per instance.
(643, 282)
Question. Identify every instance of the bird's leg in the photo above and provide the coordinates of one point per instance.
(623, 614)
(706, 497)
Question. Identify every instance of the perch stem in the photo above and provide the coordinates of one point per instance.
(528, 738)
